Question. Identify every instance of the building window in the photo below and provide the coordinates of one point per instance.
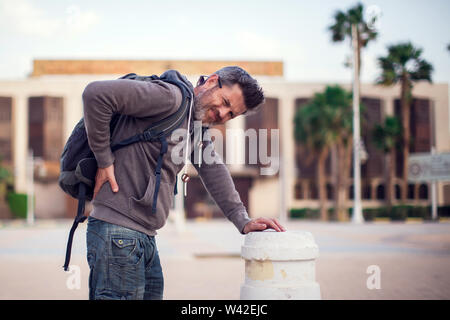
(446, 194)
(372, 115)
(420, 129)
(313, 191)
(5, 130)
(381, 192)
(366, 191)
(398, 193)
(45, 127)
(298, 191)
(423, 192)
(330, 192)
(411, 193)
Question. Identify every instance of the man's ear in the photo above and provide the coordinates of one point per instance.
(212, 81)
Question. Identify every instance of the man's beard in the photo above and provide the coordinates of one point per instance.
(199, 110)
(200, 107)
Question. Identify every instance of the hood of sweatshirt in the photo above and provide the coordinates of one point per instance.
(175, 75)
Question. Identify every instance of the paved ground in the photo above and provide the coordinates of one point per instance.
(202, 261)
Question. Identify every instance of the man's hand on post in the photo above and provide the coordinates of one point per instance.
(260, 224)
(105, 175)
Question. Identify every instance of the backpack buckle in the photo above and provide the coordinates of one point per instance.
(147, 135)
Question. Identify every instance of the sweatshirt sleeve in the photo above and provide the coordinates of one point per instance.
(102, 99)
(217, 180)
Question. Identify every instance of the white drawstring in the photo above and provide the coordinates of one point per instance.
(188, 141)
(200, 152)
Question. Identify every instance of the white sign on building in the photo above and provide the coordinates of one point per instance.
(425, 167)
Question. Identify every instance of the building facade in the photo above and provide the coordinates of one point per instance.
(40, 112)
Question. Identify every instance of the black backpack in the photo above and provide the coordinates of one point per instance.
(78, 166)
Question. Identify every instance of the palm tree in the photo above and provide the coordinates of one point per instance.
(404, 65)
(321, 125)
(342, 28)
(386, 138)
(312, 129)
(340, 103)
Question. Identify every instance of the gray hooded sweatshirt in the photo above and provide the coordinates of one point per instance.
(145, 102)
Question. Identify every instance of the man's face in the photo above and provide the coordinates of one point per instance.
(214, 105)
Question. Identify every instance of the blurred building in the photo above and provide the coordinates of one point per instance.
(40, 112)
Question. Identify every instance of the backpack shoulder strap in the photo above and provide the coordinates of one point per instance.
(163, 127)
(78, 219)
(134, 76)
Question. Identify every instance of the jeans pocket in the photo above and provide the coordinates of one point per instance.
(125, 250)
(126, 273)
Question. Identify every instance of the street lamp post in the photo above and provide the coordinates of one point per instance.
(357, 211)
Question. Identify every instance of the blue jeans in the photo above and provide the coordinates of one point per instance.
(124, 264)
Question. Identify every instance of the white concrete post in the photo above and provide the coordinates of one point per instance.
(20, 116)
(280, 266)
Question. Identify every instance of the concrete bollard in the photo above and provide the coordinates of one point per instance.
(280, 266)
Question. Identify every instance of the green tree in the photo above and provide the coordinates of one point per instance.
(326, 123)
(404, 65)
(312, 129)
(341, 28)
(387, 137)
(339, 101)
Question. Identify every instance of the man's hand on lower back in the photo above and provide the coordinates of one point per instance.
(105, 175)
(260, 224)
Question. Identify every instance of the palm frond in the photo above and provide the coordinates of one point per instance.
(341, 28)
(403, 61)
(423, 71)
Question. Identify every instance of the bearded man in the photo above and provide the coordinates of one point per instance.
(121, 248)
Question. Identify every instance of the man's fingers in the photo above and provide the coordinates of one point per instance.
(256, 226)
(97, 187)
(108, 173)
(271, 224)
(105, 175)
(260, 226)
(274, 224)
(279, 225)
(113, 183)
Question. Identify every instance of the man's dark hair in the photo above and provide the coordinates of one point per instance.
(252, 92)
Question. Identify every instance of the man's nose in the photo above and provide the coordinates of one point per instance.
(223, 111)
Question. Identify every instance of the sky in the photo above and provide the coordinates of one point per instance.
(294, 32)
